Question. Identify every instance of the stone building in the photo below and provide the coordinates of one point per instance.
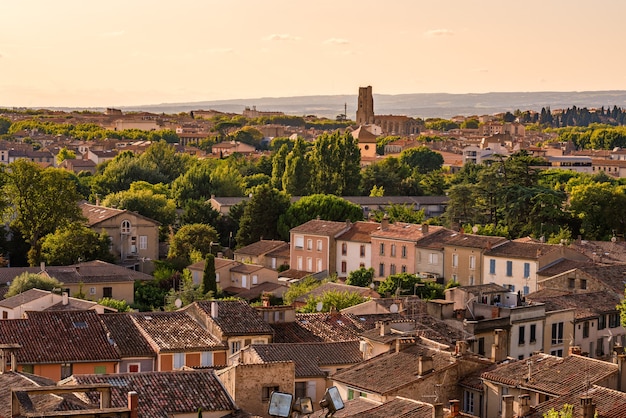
(390, 124)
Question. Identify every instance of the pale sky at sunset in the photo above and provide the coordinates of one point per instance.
(120, 53)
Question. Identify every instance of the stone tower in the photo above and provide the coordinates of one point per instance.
(365, 106)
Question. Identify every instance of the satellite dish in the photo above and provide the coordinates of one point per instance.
(393, 308)
(474, 229)
(319, 306)
(178, 303)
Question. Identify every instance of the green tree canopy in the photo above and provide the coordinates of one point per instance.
(145, 202)
(337, 162)
(362, 277)
(27, 281)
(261, 214)
(422, 159)
(209, 278)
(300, 288)
(193, 237)
(73, 243)
(323, 206)
(65, 154)
(332, 300)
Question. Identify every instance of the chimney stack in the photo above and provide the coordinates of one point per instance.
(133, 403)
(424, 229)
(438, 410)
(66, 299)
(384, 223)
(214, 311)
(382, 325)
(42, 266)
(454, 408)
(575, 349)
(524, 405)
(424, 365)
(507, 406)
(498, 349)
(589, 408)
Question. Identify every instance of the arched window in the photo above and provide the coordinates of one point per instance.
(125, 226)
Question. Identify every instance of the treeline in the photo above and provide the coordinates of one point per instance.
(574, 116)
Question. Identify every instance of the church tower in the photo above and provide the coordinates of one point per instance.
(365, 106)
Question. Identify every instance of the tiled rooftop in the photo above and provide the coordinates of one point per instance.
(261, 247)
(359, 232)
(127, 337)
(59, 337)
(310, 357)
(24, 297)
(175, 331)
(609, 403)
(587, 305)
(236, 317)
(456, 239)
(405, 231)
(162, 394)
(528, 250)
(552, 375)
(321, 227)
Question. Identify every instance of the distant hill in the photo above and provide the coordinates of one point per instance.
(422, 105)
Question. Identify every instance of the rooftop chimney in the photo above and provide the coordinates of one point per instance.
(382, 325)
(133, 403)
(384, 223)
(498, 349)
(575, 349)
(424, 365)
(524, 405)
(424, 229)
(454, 408)
(66, 298)
(42, 266)
(589, 408)
(438, 410)
(214, 309)
(507, 406)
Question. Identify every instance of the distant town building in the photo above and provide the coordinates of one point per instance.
(390, 124)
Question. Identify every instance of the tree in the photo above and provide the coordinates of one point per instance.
(407, 284)
(362, 277)
(190, 238)
(323, 206)
(119, 305)
(297, 170)
(400, 213)
(386, 174)
(566, 412)
(278, 166)
(337, 161)
(169, 163)
(145, 202)
(300, 288)
(261, 214)
(422, 159)
(187, 293)
(119, 173)
(209, 278)
(5, 125)
(73, 243)
(333, 300)
(65, 154)
(40, 201)
(27, 281)
(194, 184)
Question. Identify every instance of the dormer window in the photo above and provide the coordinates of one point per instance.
(125, 226)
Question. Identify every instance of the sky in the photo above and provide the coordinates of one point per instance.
(77, 53)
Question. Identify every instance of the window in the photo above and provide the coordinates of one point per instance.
(403, 269)
(92, 290)
(206, 358)
(392, 269)
(107, 292)
(492, 266)
(557, 353)
(382, 248)
(300, 390)
(614, 320)
(393, 250)
(472, 262)
(235, 346)
(309, 244)
(300, 263)
(572, 283)
(521, 336)
(381, 270)
(600, 347)
(133, 368)
(5, 315)
(526, 270)
(344, 267)
(433, 258)
(319, 245)
(319, 264)
(143, 242)
(509, 268)
(217, 277)
(344, 249)
(179, 360)
(28, 368)
(533, 333)
(586, 329)
(266, 392)
(583, 284)
(309, 264)
(404, 251)
(602, 322)
(362, 253)
(255, 279)
(557, 333)
(66, 370)
(299, 241)
(481, 346)
(455, 260)
(125, 228)
(99, 369)
(526, 290)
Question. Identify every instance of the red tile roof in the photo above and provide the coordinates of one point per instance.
(236, 317)
(261, 247)
(359, 232)
(320, 227)
(127, 337)
(609, 403)
(162, 394)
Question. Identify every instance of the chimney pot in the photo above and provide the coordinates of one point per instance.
(589, 408)
(133, 403)
(214, 309)
(438, 410)
(507, 406)
(454, 407)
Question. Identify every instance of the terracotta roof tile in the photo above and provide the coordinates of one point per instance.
(609, 403)
(127, 337)
(550, 374)
(175, 331)
(162, 394)
(59, 337)
(261, 247)
(236, 317)
(312, 327)
(310, 357)
(525, 250)
(320, 227)
(359, 232)
(24, 297)
(406, 231)
(587, 305)
(474, 241)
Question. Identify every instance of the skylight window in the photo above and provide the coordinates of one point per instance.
(80, 324)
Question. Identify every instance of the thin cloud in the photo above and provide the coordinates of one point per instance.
(112, 34)
(438, 32)
(336, 41)
(281, 37)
